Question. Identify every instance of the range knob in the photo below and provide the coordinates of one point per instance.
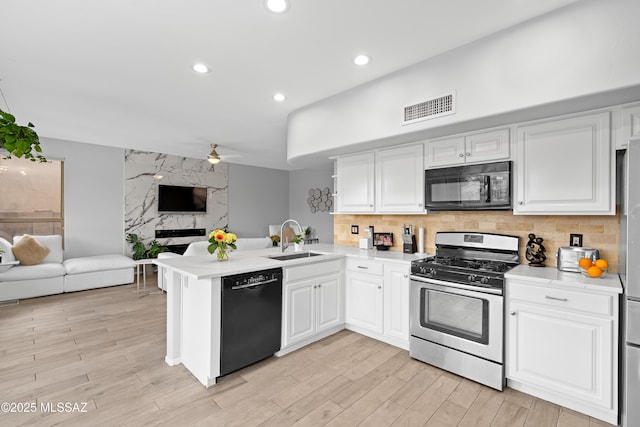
(432, 272)
(471, 278)
(484, 280)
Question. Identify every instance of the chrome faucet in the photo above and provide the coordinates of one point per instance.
(282, 242)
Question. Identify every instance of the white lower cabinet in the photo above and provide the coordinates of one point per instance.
(313, 304)
(396, 303)
(377, 300)
(561, 346)
(364, 301)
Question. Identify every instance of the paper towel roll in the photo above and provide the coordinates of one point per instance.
(420, 240)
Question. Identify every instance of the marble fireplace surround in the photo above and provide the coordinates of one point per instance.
(144, 171)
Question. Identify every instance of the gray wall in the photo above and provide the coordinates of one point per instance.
(300, 181)
(93, 196)
(257, 197)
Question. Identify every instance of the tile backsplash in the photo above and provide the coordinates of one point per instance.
(601, 232)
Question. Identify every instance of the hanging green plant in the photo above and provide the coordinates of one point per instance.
(19, 141)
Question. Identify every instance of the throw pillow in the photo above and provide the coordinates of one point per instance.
(7, 256)
(29, 252)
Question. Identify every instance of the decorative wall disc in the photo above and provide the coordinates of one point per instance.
(320, 200)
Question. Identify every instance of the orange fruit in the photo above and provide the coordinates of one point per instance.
(585, 263)
(602, 263)
(594, 271)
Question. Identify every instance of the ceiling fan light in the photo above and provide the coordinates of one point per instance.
(213, 157)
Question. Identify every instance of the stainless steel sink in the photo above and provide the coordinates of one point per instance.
(294, 255)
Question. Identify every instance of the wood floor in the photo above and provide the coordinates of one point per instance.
(101, 353)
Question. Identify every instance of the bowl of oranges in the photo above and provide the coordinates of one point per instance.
(590, 268)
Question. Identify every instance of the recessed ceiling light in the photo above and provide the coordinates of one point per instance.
(277, 6)
(361, 60)
(279, 97)
(200, 68)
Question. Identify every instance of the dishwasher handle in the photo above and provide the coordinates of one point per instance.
(253, 285)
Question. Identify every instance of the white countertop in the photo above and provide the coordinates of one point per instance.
(552, 276)
(205, 267)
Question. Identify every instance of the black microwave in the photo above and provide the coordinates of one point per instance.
(469, 187)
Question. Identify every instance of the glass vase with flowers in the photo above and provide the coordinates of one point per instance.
(221, 241)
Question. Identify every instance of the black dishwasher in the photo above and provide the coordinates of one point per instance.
(251, 321)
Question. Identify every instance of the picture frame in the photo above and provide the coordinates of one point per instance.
(383, 241)
(575, 239)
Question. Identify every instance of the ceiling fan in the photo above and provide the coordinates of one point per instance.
(214, 158)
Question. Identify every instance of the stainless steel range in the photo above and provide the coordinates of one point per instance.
(456, 305)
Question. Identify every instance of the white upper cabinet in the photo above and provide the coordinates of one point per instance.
(564, 167)
(400, 179)
(386, 181)
(630, 126)
(355, 183)
(475, 148)
(444, 152)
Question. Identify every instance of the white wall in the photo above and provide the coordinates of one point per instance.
(587, 48)
(257, 197)
(93, 196)
(300, 181)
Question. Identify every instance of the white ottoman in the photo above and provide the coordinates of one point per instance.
(97, 272)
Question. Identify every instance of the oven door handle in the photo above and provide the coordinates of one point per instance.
(483, 289)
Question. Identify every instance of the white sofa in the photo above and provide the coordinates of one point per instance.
(54, 275)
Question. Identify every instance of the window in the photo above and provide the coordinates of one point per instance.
(31, 198)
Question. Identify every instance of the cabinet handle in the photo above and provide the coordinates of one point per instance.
(521, 202)
(379, 286)
(405, 275)
(467, 154)
(513, 313)
(556, 298)
(319, 286)
(363, 267)
(370, 206)
(460, 155)
(314, 286)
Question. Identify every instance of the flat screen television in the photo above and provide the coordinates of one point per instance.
(173, 198)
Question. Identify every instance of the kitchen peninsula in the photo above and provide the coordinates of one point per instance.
(194, 285)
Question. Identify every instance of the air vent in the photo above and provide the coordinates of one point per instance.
(430, 109)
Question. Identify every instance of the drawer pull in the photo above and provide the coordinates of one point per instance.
(363, 267)
(556, 298)
(513, 313)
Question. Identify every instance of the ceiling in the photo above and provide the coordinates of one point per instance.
(118, 73)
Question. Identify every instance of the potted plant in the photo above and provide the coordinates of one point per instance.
(140, 251)
(298, 241)
(307, 233)
(19, 141)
